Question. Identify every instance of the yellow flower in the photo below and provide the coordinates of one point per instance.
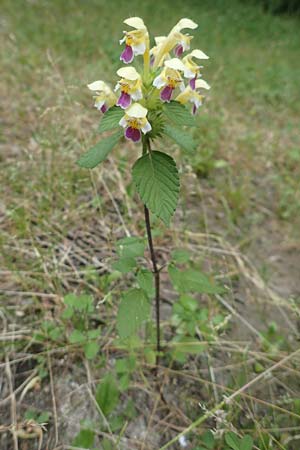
(169, 78)
(190, 95)
(159, 40)
(136, 41)
(104, 98)
(135, 121)
(175, 38)
(191, 68)
(130, 86)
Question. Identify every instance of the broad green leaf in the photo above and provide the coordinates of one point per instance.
(182, 138)
(124, 265)
(67, 313)
(55, 333)
(111, 119)
(95, 155)
(77, 337)
(107, 394)
(180, 255)
(80, 302)
(246, 443)
(91, 349)
(84, 439)
(134, 310)
(145, 280)
(71, 300)
(192, 280)
(156, 177)
(130, 247)
(189, 303)
(232, 440)
(179, 114)
(208, 439)
(125, 365)
(93, 334)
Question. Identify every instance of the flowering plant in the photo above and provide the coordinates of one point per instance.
(146, 104)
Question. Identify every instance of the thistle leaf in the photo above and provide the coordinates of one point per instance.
(111, 119)
(156, 177)
(182, 138)
(95, 155)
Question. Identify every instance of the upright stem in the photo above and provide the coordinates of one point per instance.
(157, 282)
(156, 272)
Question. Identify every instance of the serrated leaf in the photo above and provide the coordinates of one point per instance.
(107, 394)
(145, 280)
(192, 280)
(182, 138)
(180, 255)
(95, 155)
(156, 177)
(124, 265)
(179, 114)
(130, 247)
(111, 119)
(134, 310)
(232, 440)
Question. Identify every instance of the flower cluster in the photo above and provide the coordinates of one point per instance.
(169, 73)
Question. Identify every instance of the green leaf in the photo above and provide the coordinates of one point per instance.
(130, 247)
(179, 114)
(156, 177)
(189, 303)
(191, 280)
(82, 302)
(145, 280)
(107, 394)
(232, 440)
(124, 265)
(208, 439)
(111, 119)
(90, 350)
(180, 255)
(84, 439)
(76, 337)
(246, 443)
(67, 313)
(182, 138)
(94, 334)
(134, 310)
(188, 345)
(95, 155)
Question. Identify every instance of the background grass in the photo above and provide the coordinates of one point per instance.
(59, 221)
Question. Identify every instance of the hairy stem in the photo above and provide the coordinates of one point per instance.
(155, 270)
(157, 282)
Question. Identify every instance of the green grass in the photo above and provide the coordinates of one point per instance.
(58, 221)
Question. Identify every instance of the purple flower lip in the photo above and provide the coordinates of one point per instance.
(193, 83)
(166, 93)
(127, 55)
(178, 50)
(124, 100)
(133, 134)
(104, 108)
